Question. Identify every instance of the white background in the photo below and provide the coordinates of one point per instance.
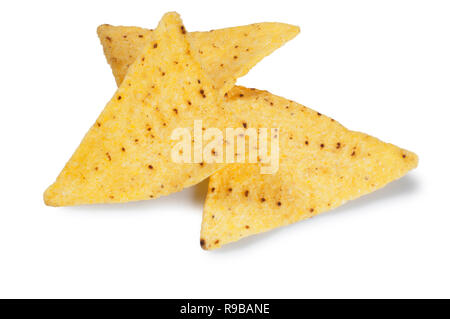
(381, 67)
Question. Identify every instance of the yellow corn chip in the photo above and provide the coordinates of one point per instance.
(126, 155)
(322, 165)
(225, 54)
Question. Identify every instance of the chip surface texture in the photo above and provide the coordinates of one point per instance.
(322, 165)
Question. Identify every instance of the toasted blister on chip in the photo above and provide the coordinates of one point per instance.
(321, 166)
(225, 54)
(127, 153)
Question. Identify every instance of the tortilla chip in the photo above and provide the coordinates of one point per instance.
(225, 54)
(125, 156)
(322, 165)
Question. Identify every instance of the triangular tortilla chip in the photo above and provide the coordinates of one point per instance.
(126, 155)
(225, 54)
(322, 165)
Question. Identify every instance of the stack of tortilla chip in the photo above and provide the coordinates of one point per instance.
(167, 79)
